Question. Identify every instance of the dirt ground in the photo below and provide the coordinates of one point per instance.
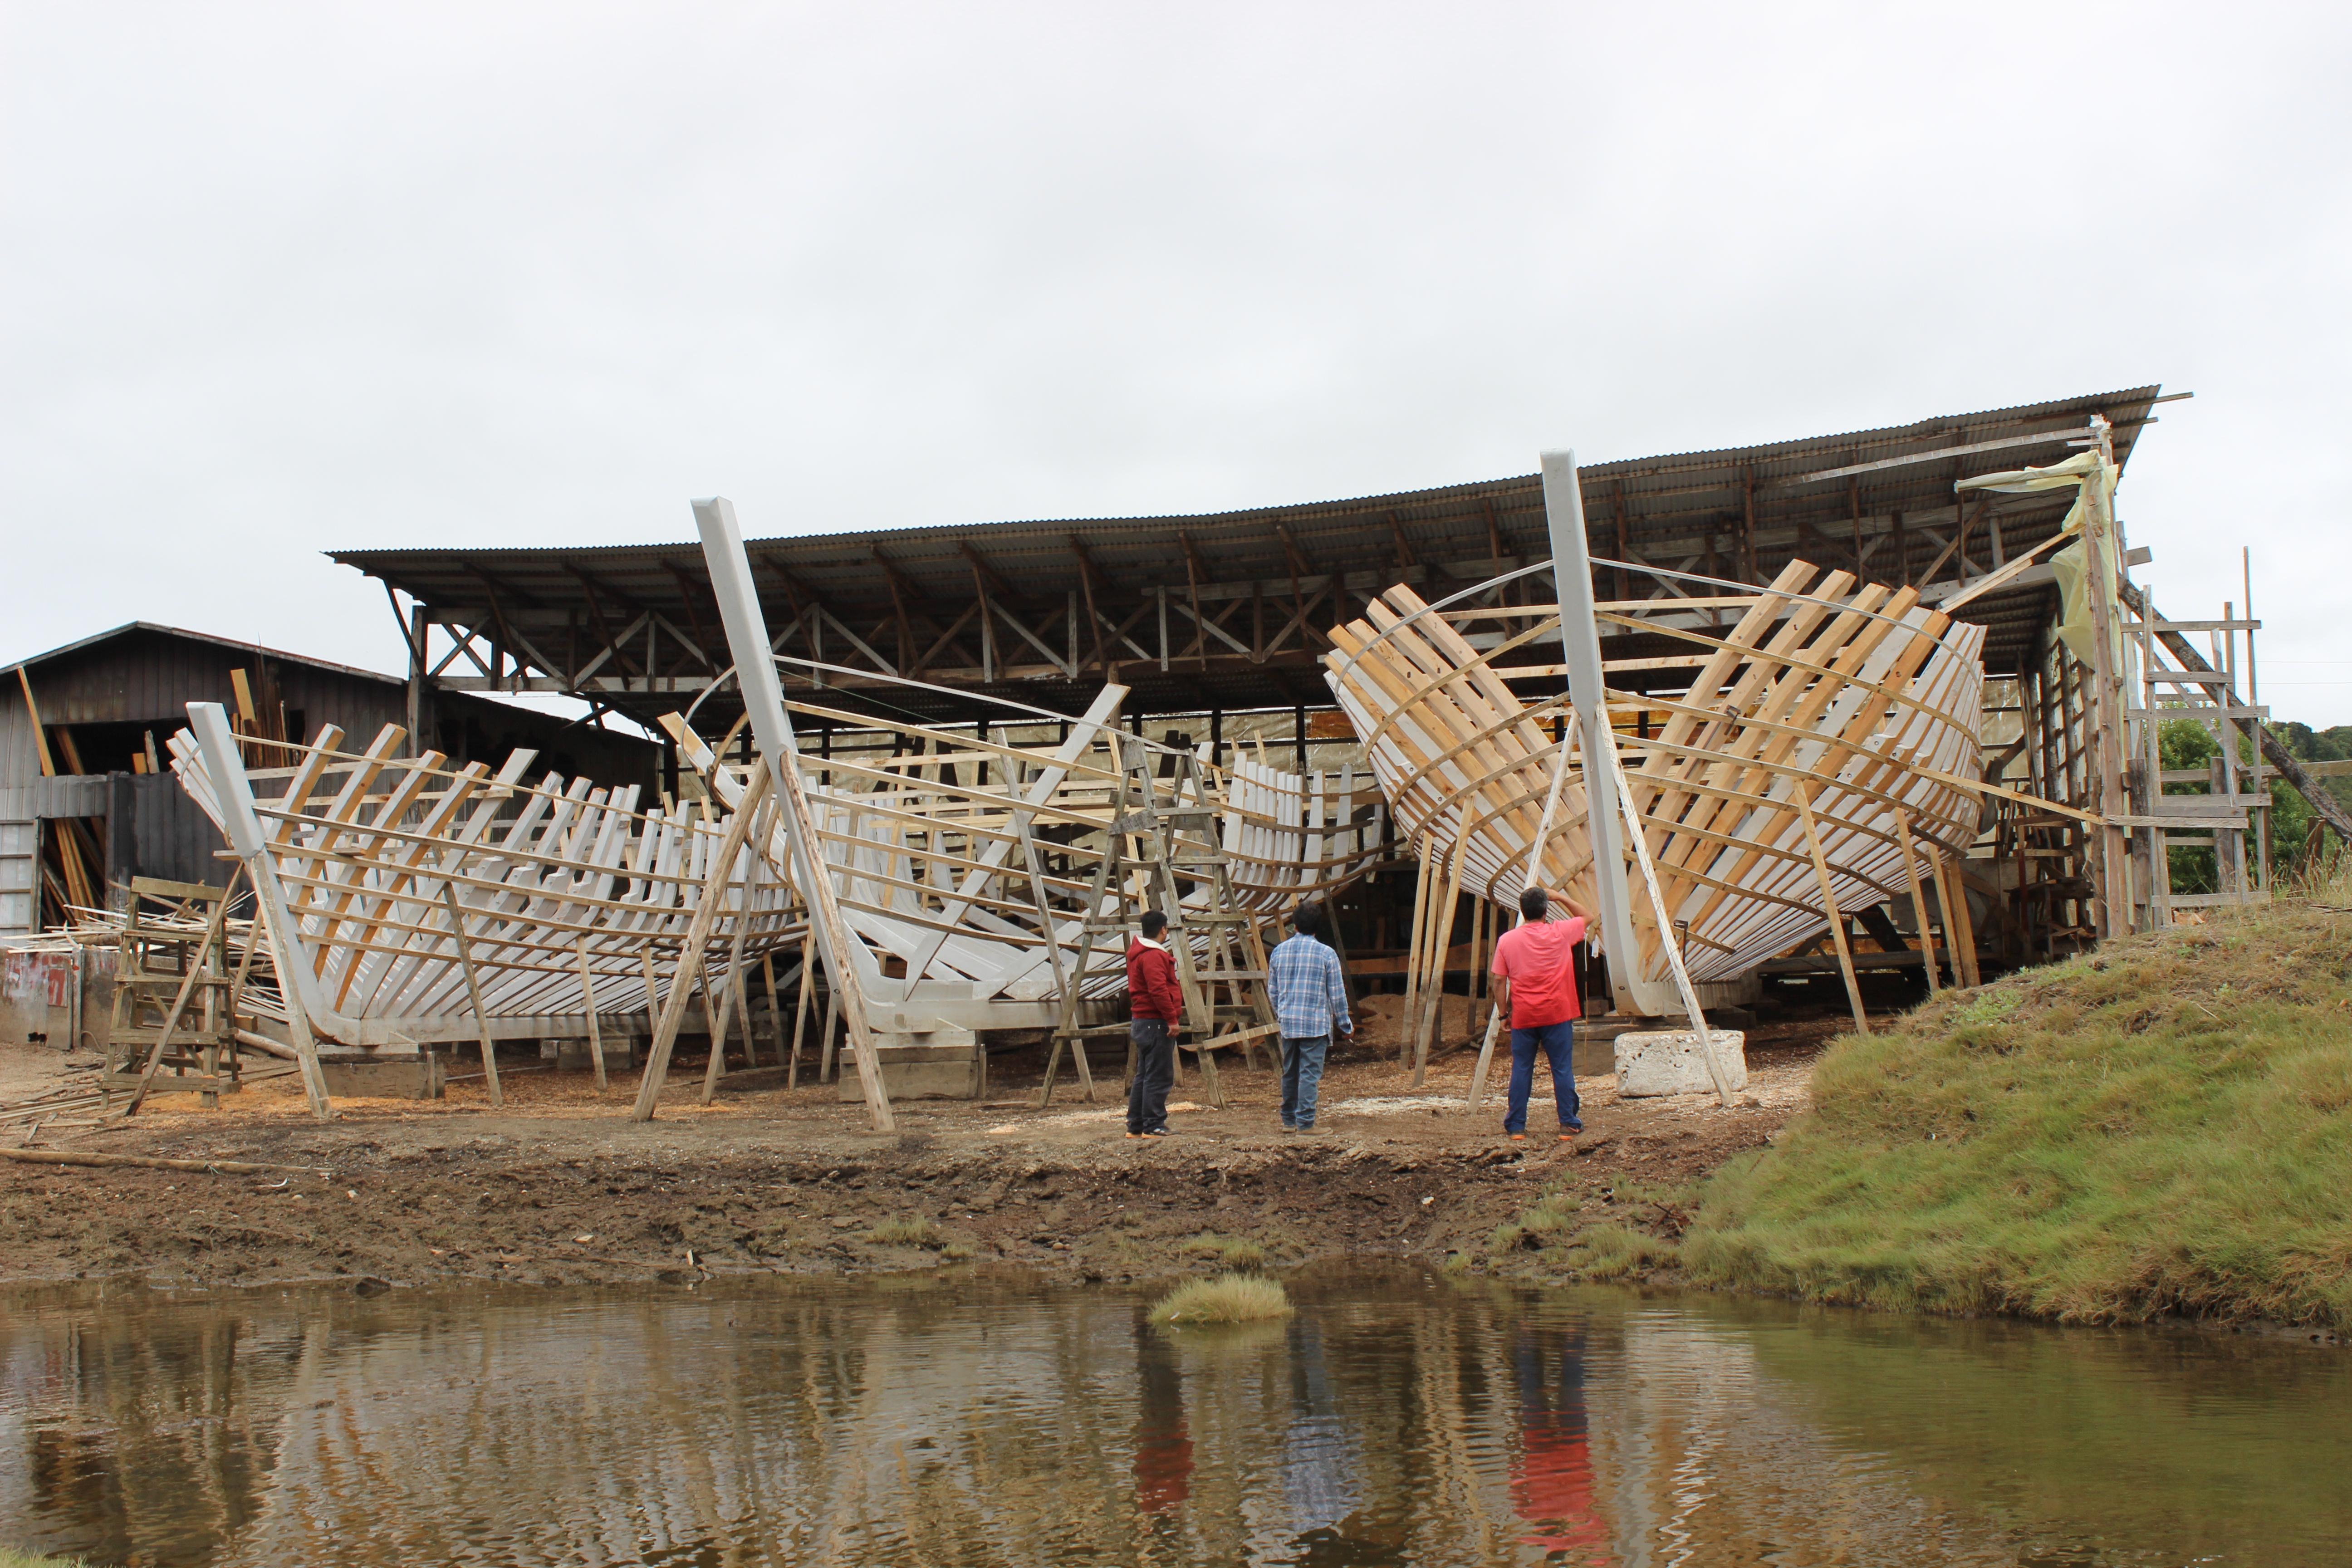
(560, 1186)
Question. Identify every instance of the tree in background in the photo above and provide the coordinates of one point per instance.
(2297, 832)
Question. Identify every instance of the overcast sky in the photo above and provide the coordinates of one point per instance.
(275, 280)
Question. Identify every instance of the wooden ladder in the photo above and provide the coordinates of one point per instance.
(1152, 849)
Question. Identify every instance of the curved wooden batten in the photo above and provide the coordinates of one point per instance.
(1855, 697)
(565, 890)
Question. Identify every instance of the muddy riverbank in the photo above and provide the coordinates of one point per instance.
(559, 1187)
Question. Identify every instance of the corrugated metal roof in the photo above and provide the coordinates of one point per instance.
(1691, 507)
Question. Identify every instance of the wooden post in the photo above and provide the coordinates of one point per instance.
(1944, 903)
(801, 1012)
(473, 991)
(831, 1064)
(689, 963)
(775, 1014)
(1412, 950)
(595, 1030)
(187, 988)
(1919, 901)
(1964, 940)
(1440, 949)
(1606, 743)
(652, 1002)
(1829, 903)
(718, 1068)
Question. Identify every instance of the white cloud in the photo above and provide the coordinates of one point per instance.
(285, 278)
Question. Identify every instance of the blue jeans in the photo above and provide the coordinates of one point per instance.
(1557, 1042)
(1302, 1074)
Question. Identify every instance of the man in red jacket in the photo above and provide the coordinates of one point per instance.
(1155, 1011)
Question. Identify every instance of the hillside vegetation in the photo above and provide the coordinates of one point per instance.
(2163, 1126)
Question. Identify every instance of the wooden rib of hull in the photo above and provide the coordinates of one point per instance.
(1856, 695)
(909, 841)
(364, 844)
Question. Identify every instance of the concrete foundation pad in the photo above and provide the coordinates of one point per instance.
(403, 1077)
(944, 1063)
(1670, 1061)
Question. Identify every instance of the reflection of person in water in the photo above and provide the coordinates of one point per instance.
(1163, 1450)
(1552, 1483)
(1317, 1461)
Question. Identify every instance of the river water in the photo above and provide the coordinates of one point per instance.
(1398, 1418)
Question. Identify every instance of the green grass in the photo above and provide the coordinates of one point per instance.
(1236, 1252)
(9, 1559)
(1226, 1298)
(902, 1230)
(2163, 1126)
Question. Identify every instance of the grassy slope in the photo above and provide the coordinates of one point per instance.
(2165, 1126)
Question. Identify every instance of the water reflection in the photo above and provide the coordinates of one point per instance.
(1396, 1419)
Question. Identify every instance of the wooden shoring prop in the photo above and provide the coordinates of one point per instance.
(755, 674)
(1434, 1005)
(1918, 899)
(1423, 871)
(242, 825)
(800, 1013)
(706, 916)
(1944, 908)
(474, 992)
(595, 1029)
(775, 1015)
(1829, 903)
(716, 1069)
(1716, 1071)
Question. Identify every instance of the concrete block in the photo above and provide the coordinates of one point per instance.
(946, 1062)
(572, 1055)
(1669, 1061)
(395, 1077)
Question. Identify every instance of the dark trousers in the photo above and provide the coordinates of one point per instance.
(1558, 1043)
(1155, 1070)
(1302, 1071)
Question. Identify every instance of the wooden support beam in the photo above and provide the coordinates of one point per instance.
(474, 992)
(1829, 903)
(698, 936)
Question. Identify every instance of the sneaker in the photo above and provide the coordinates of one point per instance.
(1572, 1125)
(1154, 1133)
(1519, 1137)
(1135, 1135)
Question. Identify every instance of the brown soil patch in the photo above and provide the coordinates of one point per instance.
(559, 1185)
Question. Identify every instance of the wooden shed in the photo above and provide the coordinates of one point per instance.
(85, 805)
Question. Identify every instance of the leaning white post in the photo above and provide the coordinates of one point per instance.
(1579, 641)
(296, 981)
(763, 701)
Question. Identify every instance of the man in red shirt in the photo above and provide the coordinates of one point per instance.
(1155, 1012)
(1535, 961)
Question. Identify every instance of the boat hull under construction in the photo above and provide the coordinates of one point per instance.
(1828, 734)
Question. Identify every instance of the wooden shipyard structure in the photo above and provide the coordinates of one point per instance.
(1887, 703)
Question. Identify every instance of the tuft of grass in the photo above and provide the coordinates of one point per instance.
(902, 1230)
(9, 1559)
(1234, 1252)
(1226, 1298)
(2157, 1128)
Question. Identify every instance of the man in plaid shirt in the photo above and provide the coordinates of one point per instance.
(1310, 999)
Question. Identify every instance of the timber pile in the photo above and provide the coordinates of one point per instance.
(1827, 742)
